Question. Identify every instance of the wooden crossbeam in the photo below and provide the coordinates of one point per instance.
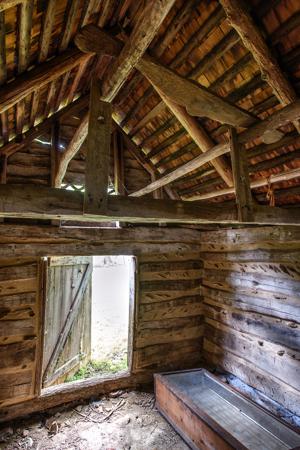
(199, 136)
(278, 119)
(198, 100)
(97, 160)
(274, 178)
(241, 20)
(47, 203)
(241, 178)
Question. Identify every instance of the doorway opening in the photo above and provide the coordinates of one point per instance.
(88, 317)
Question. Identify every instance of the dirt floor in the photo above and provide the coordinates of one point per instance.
(122, 421)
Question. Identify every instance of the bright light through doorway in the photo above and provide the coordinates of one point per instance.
(111, 284)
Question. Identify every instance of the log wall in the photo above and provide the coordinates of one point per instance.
(169, 316)
(20, 337)
(251, 290)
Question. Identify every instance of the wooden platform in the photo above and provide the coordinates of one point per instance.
(210, 415)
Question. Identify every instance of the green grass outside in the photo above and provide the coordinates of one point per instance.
(99, 367)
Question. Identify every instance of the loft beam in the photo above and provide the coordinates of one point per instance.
(240, 19)
(47, 203)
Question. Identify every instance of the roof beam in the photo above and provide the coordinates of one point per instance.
(15, 146)
(44, 73)
(240, 19)
(198, 100)
(47, 203)
(139, 40)
(278, 119)
(199, 136)
(261, 182)
(128, 55)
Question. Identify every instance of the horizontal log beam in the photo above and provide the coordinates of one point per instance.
(47, 203)
(26, 240)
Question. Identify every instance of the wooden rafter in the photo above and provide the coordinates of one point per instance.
(138, 42)
(199, 136)
(241, 20)
(198, 100)
(33, 133)
(273, 122)
(25, 84)
(261, 182)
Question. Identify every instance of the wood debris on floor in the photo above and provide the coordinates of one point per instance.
(120, 421)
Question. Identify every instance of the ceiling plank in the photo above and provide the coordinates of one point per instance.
(33, 133)
(240, 19)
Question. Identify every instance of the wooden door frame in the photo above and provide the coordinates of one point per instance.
(97, 380)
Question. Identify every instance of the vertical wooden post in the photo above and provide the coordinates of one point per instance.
(97, 161)
(54, 151)
(241, 178)
(118, 164)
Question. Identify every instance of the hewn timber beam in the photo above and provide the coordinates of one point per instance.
(33, 133)
(199, 136)
(195, 163)
(73, 147)
(44, 73)
(47, 203)
(241, 178)
(137, 153)
(139, 40)
(97, 160)
(128, 55)
(240, 19)
(278, 119)
(198, 100)
(274, 178)
(45, 240)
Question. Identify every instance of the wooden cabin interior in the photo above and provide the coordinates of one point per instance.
(168, 131)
